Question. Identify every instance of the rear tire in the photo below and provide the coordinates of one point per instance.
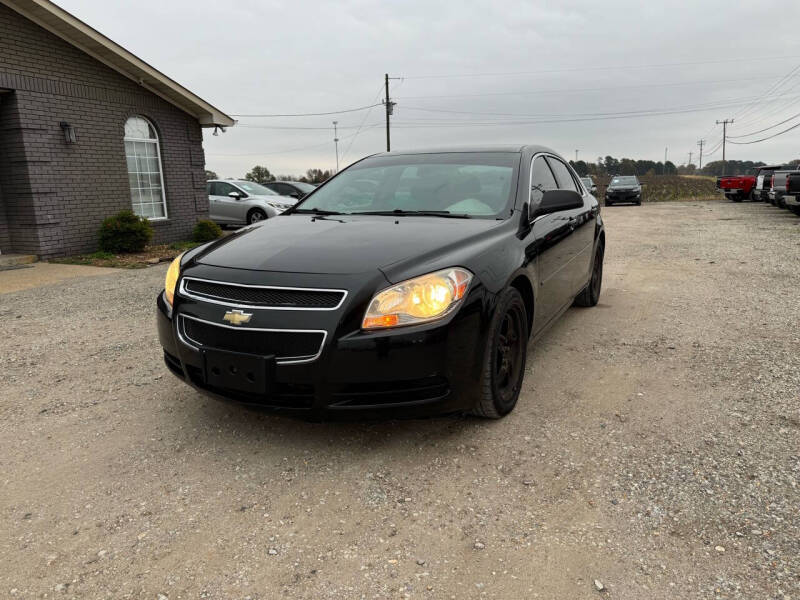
(590, 295)
(609, 203)
(504, 362)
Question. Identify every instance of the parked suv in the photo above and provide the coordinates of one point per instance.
(239, 202)
(624, 188)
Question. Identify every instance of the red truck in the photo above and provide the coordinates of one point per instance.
(736, 187)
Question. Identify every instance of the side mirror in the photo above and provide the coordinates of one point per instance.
(235, 195)
(295, 195)
(557, 201)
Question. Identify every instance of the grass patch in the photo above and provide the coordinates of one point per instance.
(151, 255)
(183, 246)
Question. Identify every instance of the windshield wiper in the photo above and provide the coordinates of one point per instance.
(415, 213)
(315, 211)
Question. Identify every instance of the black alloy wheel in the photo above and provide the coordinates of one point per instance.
(506, 354)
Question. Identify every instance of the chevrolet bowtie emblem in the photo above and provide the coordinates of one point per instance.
(237, 317)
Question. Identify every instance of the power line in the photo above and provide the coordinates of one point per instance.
(364, 120)
(723, 103)
(319, 114)
(609, 68)
(581, 90)
(284, 151)
(795, 126)
(763, 130)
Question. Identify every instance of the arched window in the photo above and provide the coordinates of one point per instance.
(144, 169)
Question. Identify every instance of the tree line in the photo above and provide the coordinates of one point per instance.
(259, 174)
(628, 166)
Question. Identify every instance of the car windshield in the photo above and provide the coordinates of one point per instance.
(586, 181)
(255, 189)
(467, 184)
(624, 181)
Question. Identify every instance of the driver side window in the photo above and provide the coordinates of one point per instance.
(223, 189)
(542, 180)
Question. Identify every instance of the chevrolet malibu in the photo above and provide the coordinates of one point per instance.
(416, 294)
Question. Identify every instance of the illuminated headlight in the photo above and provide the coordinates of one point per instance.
(418, 300)
(172, 278)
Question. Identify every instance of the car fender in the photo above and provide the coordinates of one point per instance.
(262, 204)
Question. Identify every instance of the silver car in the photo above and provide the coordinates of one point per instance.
(239, 202)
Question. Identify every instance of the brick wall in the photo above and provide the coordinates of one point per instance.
(56, 194)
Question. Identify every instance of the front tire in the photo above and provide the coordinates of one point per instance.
(504, 362)
(256, 215)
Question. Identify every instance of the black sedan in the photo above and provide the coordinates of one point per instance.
(624, 188)
(415, 295)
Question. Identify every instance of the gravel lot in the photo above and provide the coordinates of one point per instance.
(655, 451)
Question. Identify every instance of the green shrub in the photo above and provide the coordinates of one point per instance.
(125, 232)
(206, 231)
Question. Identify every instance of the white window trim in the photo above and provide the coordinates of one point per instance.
(160, 165)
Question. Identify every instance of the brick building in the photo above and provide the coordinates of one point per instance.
(88, 129)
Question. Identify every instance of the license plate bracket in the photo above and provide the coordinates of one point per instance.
(239, 372)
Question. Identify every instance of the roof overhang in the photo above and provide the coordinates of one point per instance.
(95, 44)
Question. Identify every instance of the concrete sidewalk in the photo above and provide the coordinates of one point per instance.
(43, 274)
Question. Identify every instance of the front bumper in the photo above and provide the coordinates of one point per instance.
(624, 196)
(405, 372)
(791, 201)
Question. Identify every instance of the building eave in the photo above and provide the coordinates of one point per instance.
(77, 33)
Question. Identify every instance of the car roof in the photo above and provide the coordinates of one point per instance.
(518, 148)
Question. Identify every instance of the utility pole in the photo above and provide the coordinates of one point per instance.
(336, 142)
(701, 143)
(665, 160)
(389, 106)
(690, 159)
(724, 135)
(576, 156)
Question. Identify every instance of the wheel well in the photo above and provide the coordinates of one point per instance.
(523, 286)
(256, 208)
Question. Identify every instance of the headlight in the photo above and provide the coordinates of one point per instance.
(418, 300)
(172, 278)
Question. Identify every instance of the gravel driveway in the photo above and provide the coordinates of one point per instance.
(655, 451)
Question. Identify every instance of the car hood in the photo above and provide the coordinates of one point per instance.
(278, 199)
(340, 244)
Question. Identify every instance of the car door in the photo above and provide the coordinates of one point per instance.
(213, 203)
(547, 248)
(232, 210)
(580, 242)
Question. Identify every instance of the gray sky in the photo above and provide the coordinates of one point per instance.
(518, 60)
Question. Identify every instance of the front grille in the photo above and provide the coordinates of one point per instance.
(271, 297)
(283, 345)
